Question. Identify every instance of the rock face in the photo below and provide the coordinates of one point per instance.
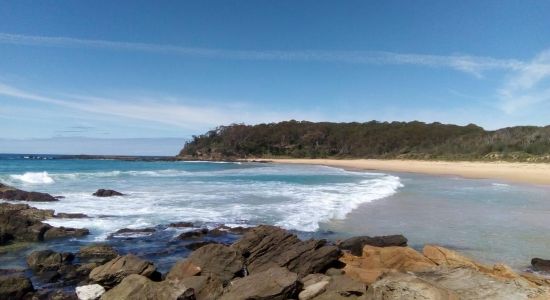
(138, 287)
(89, 292)
(98, 253)
(112, 272)
(107, 193)
(20, 222)
(48, 260)
(276, 283)
(540, 264)
(446, 257)
(217, 261)
(356, 244)
(406, 286)
(14, 286)
(10, 193)
(268, 246)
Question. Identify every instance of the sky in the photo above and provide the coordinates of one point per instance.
(161, 71)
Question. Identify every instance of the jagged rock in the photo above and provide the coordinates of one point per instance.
(183, 269)
(70, 216)
(107, 193)
(10, 193)
(540, 264)
(181, 225)
(138, 287)
(396, 286)
(267, 246)
(342, 287)
(48, 260)
(112, 272)
(64, 232)
(356, 244)
(193, 234)
(217, 261)
(276, 283)
(205, 287)
(14, 286)
(90, 292)
(99, 253)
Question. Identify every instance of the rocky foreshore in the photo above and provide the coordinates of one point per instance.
(268, 262)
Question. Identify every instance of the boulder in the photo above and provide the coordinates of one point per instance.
(99, 253)
(539, 264)
(205, 287)
(217, 261)
(48, 260)
(342, 287)
(14, 286)
(313, 285)
(138, 287)
(64, 232)
(89, 292)
(356, 244)
(275, 283)
(10, 193)
(112, 272)
(181, 225)
(194, 234)
(71, 216)
(107, 193)
(268, 246)
(396, 286)
(183, 269)
(132, 232)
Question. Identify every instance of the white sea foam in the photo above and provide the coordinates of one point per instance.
(34, 178)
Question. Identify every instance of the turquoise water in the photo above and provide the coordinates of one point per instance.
(489, 220)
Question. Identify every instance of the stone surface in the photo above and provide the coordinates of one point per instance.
(205, 287)
(138, 287)
(10, 193)
(14, 286)
(64, 232)
(267, 246)
(89, 292)
(107, 193)
(112, 272)
(397, 286)
(99, 253)
(48, 260)
(445, 257)
(276, 283)
(313, 290)
(183, 269)
(71, 216)
(356, 244)
(539, 264)
(217, 261)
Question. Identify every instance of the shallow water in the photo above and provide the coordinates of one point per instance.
(489, 220)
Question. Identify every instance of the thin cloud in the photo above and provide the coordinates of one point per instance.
(474, 65)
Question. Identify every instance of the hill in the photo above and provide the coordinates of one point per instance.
(406, 140)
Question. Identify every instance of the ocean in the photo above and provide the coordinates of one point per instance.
(489, 220)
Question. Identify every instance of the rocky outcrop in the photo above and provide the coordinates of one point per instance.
(138, 287)
(15, 286)
(107, 193)
(132, 232)
(10, 193)
(48, 260)
(97, 253)
(406, 286)
(20, 222)
(356, 244)
(112, 272)
(539, 264)
(71, 216)
(217, 261)
(268, 246)
(275, 283)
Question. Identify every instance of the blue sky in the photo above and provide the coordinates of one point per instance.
(169, 69)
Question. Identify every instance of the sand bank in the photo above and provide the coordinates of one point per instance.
(533, 173)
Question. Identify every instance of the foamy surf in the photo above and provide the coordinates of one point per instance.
(34, 178)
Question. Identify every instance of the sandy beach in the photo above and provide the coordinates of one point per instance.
(532, 173)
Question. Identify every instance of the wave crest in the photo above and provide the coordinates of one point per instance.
(34, 178)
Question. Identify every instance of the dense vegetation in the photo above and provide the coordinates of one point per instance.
(413, 140)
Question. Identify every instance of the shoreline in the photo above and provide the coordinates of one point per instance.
(529, 173)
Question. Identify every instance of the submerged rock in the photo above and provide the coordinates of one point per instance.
(10, 193)
(181, 225)
(132, 232)
(356, 244)
(112, 272)
(15, 286)
(100, 253)
(64, 232)
(70, 216)
(540, 264)
(267, 246)
(107, 193)
(276, 283)
(194, 234)
(48, 260)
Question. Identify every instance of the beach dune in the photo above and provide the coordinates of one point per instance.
(532, 173)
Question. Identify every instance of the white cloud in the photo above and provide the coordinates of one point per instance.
(158, 111)
(470, 64)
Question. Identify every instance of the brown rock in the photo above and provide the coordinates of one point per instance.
(138, 287)
(274, 284)
(112, 272)
(445, 257)
(100, 253)
(396, 286)
(217, 261)
(356, 244)
(183, 269)
(14, 286)
(64, 232)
